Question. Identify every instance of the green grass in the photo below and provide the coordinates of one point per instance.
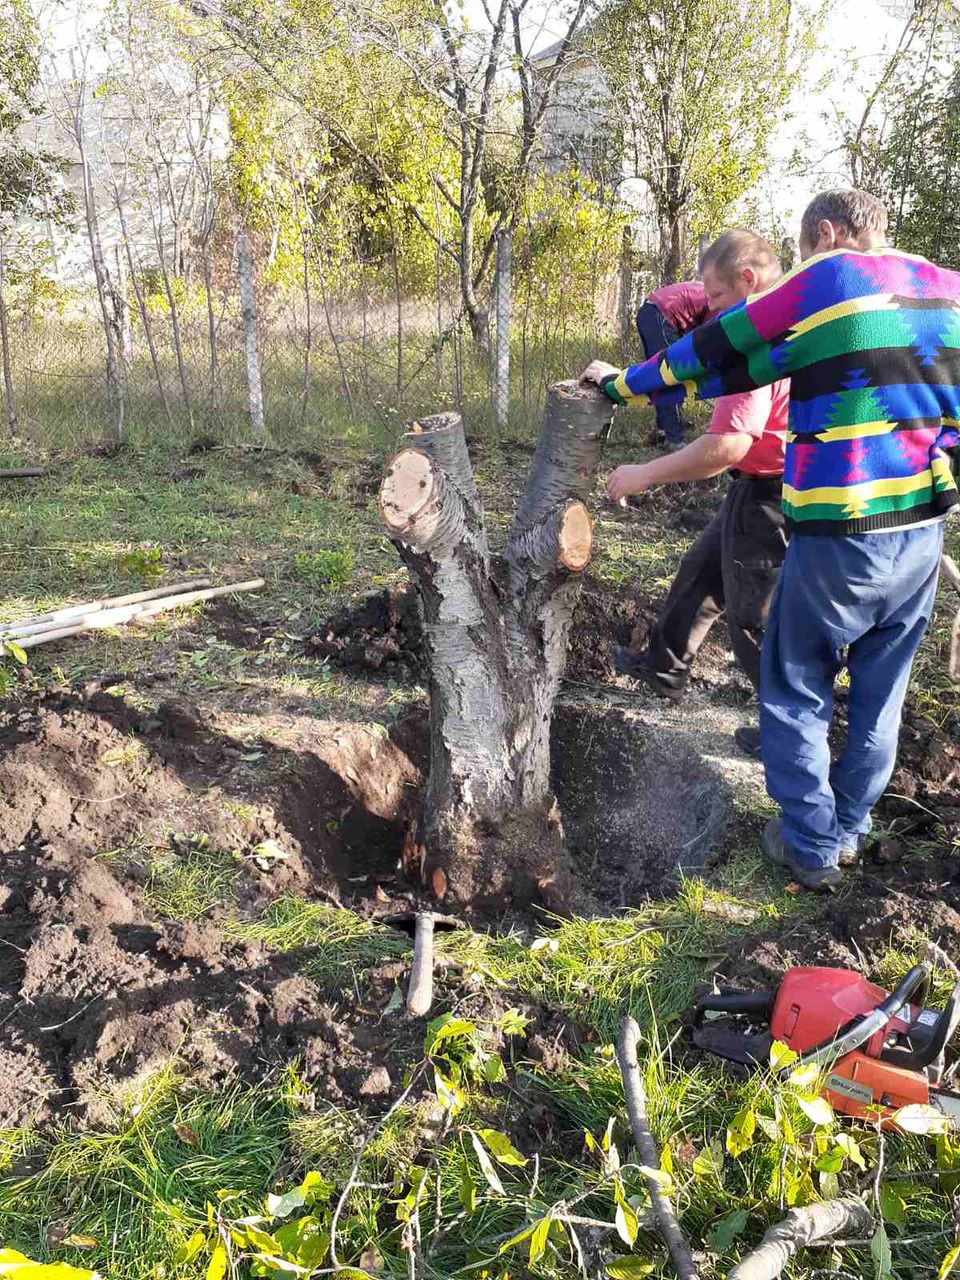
(96, 526)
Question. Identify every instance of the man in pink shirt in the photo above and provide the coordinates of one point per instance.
(733, 566)
(668, 313)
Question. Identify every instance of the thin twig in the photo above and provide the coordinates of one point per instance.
(335, 1263)
(57, 1025)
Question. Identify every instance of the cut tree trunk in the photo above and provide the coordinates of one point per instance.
(496, 630)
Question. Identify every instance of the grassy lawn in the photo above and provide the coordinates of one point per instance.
(504, 1151)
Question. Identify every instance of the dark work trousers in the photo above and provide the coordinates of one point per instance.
(656, 332)
(731, 569)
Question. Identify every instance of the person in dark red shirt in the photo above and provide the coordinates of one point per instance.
(733, 566)
(668, 313)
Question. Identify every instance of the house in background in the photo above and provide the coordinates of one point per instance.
(579, 130)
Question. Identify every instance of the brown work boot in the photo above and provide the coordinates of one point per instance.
(819, 879)
(627, 662)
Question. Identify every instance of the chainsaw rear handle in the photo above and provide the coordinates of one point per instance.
(859, 1030)
(759, 1004)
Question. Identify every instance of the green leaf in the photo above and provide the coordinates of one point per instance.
(831, 1161)
(450, 1097)
(17, 1266)
(709, 1163)
(217, 1266)
(513, 1022)
(447, 1027)
(893, 1207)
(262, 1242)
(538, 1239)
(741, 1131)
(804, 1077)
(628, 1268)
(501, 1148)
(949, 1263)
(781, 1055)
(724, 1232)
(468, 1188)
(829, 1186)
(663, 1179)
(313, 1187)
(486, 1165)
(818, 1110)
(306, 1240)
(190, 1248)
(880, 1252)
(284, 1264)
(851, 1149)
(16, 652)
(626, 1220)
(493, 1069)
(768, 1127)
(518, 1238)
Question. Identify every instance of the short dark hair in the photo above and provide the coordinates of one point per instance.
(738, 248)
(855, 211)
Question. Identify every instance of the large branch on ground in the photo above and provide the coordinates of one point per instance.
(496, 632)
(799, 1228)
(635, 1094)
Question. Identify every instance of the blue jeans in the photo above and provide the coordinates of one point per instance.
(863, 601)
(656, 332)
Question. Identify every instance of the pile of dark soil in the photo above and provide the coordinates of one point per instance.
(94, 990)
(382, 632)
(885, 905)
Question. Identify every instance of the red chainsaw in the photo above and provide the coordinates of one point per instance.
(877, 1049)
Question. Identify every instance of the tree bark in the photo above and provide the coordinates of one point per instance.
(248, 299)
(496, 630)
(142, 308)
(501, 363)
(13, 424)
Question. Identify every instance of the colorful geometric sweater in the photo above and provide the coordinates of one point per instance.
(871, 344)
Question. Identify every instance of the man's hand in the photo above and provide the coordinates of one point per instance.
(626, 480)
(597, 371)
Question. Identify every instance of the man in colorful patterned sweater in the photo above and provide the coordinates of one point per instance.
(870, 340)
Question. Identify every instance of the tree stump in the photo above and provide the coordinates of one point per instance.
(496, 631)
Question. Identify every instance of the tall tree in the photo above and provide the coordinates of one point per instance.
(371, 71)
(31, 187)
(699, 86)
(905, 145)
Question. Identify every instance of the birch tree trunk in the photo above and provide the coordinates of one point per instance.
(248, 300)
(496, 630)
(8, 388)
(115, 388)
(501, 363)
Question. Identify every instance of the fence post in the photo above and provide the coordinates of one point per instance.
(248, 302)
(625, 296)
(501, 360)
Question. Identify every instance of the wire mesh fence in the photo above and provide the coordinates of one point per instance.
(325, 366)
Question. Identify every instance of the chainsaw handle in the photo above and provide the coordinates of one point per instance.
(916, 982)
(757, 1003)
